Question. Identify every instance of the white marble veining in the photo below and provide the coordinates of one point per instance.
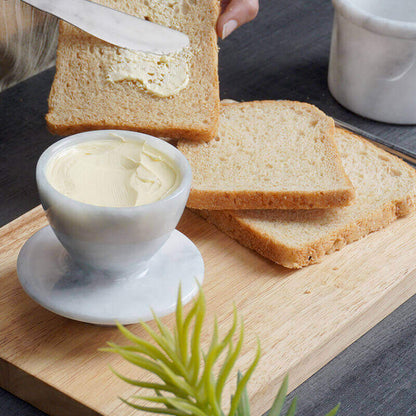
(372, 68)
(51, 278)
(100, 264)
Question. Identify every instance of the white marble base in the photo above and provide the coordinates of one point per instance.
(49, 276)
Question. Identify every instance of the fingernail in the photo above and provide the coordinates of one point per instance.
(229, 27)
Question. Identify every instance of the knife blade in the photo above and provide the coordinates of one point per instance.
(115, 27)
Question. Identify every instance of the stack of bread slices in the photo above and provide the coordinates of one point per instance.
(278, 176)
(282, 180)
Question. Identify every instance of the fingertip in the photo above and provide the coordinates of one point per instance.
(228, 27)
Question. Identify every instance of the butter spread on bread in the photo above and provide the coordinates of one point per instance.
(82, 98)
(161, 75)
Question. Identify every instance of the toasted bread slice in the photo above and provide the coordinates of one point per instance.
(83, 98)
(386, 190)
(268, 155)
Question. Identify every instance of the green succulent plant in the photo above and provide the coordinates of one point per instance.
(187, 385)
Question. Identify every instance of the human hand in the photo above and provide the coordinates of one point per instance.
(235, 13)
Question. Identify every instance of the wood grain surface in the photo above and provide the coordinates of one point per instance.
(283, 53)
(303, 318)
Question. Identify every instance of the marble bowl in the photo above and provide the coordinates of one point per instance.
(103, 265)
(372, 66)
(113, 240)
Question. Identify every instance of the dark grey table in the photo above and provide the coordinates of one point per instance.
(283, 54)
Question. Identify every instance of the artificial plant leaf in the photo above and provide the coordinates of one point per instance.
(243, 382)
(151, 386)
(334, 411)
(280, 398)
(243, 408)
(229, 363)
(157, 410)
(196, 338)
(292, 408)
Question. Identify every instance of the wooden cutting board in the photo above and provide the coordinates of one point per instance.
(303, 318)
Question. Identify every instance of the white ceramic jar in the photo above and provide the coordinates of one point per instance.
(372, 66)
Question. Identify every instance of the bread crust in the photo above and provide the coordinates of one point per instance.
(234, 200)
(202, 135)
(232, 224)
(298, 257)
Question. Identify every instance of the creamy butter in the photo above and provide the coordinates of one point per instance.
(161, 75)
(113, 172)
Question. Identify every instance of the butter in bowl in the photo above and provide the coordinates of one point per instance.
(111, 253)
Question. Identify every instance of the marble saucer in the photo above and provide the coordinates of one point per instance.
(49, 277)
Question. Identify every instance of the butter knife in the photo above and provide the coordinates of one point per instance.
(115, 27)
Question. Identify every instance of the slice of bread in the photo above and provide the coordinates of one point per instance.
(268, 155)
(386, 190)
(82, 98)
